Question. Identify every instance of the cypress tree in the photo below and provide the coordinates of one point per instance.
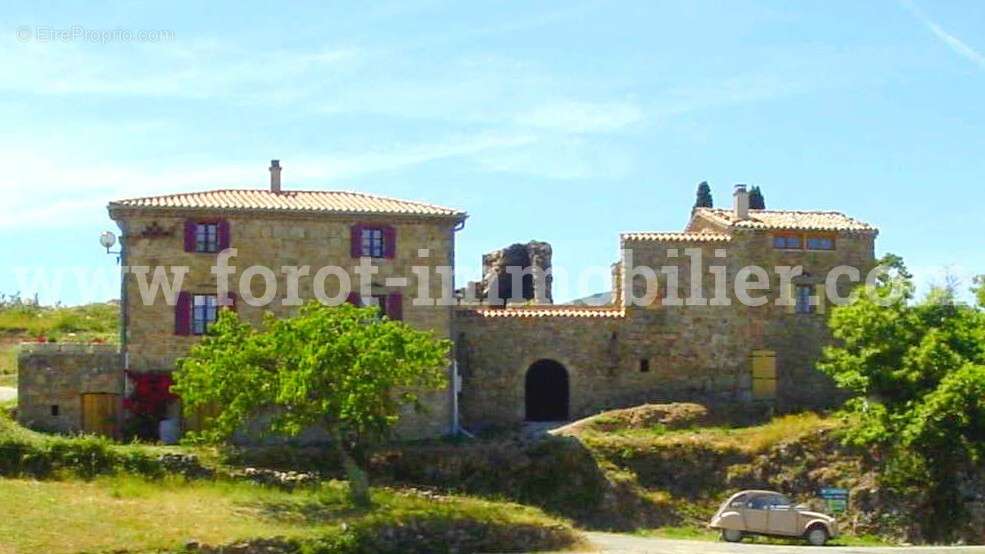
(756, 200)
(704, 196)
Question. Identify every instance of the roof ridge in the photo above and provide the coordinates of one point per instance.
(340, 201)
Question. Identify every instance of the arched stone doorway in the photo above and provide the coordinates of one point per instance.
(546, 392)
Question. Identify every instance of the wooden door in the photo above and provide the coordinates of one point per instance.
(100, 414)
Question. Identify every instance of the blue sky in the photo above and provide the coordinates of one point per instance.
(565, 121)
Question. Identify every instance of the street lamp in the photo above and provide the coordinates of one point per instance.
(108, 240)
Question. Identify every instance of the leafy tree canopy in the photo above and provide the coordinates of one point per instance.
(918, 370)
(756, 200)
(344, 369)
(704, 199)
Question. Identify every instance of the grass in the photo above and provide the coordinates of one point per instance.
(695, 533)
(683, 532)
(27, 322)
(8, 365)
(77, 323)
(750, 440)
(126, 512)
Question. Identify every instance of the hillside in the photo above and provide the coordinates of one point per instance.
(654, 469)
(141, 498)
(22, 321)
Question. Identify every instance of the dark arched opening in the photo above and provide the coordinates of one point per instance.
(547, 392)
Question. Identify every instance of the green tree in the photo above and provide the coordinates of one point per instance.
(979, 290)
(756, 200)
(704, 199)
(918, 372)
(344, 369)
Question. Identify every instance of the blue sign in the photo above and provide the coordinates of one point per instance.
(836, 499)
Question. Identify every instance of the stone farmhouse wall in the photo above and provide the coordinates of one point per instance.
(53, 377)
(624, 355)
(275, 240)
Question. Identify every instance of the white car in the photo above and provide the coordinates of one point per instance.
(771, 514)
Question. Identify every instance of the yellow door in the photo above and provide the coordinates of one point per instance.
(763, 375)
(100, 412)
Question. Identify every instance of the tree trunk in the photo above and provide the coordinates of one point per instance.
(357, 476)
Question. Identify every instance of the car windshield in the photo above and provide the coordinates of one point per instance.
(735, 502)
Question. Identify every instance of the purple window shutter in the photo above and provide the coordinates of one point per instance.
(356, 241)
(353, 299)
(223, 234)
(389, 241)
(183, 314)
(190, 227)
(395, 306)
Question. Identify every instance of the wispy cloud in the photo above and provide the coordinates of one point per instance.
(582, 117)
(956, 45)
(61, 193)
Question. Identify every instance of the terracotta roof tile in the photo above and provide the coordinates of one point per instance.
(597, 312)
(678, 237)
(787, 219)
(289, 201)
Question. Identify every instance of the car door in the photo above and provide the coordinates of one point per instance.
(756, 514)
(782, 517)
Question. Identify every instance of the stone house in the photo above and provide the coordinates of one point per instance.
(565, 362)
(516, 362)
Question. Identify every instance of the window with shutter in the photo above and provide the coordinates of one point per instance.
(373, 241)
(182, 314)
(205, 309)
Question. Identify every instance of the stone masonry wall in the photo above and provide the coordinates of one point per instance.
(57, 375)
(699, 353)
(275, 240)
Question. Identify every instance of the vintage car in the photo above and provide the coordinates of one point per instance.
(772, 514)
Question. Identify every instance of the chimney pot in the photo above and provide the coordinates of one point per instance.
(274, 175)
(741, 203)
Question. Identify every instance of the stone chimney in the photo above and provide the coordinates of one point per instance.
(741, 203)
(275, 176)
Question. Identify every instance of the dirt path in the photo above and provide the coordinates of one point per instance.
(611, 543)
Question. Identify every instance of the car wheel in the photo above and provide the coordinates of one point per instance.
(817, 536)
(731, 535)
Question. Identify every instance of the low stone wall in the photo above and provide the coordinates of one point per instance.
(53, 377)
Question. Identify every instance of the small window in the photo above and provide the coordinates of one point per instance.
(54, 410)
(373, 244)
(787, 242)
(644, 365)
(759, 502)
(204, 311)
(206, 237)
(820, 243)
(803, 299)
